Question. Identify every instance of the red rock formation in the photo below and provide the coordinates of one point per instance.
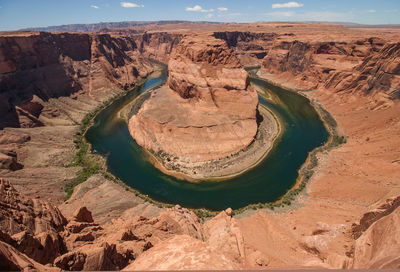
(113, 245)
(8, 155)
(250, 47)
(220, 248)
(38, 66)
(374, 215)
(13, 260)
(379, 72)
(157, 45)
(33, 225)
(209, 97)
(362, 66)
(338, 195)
(182, 252)
(83, 215)
(379, 246)
(33, 232)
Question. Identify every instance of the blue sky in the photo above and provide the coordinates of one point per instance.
(17, 14)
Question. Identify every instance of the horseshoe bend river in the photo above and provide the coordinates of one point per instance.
(302, 129)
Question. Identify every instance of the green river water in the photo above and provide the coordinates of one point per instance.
(303, 131)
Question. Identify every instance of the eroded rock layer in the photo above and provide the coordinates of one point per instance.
(35, 67)
(208, 111)
(365, 66)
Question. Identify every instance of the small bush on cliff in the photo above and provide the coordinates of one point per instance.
(338, 140)
(90, 166)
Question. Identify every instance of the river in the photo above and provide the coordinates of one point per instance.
(303, 131)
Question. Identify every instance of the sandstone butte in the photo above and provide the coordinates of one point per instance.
(347, 218)
(207, 112)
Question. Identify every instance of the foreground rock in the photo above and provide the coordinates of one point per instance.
(33, 226)
(209, 110)
(177, 239)
(378, 238)
(85, 245)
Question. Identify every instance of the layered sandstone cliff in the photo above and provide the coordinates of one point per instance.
(157, 45)
(54, 80)
(209, 110)
(35, 67)
(368, 66)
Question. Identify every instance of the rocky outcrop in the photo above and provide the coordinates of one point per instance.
(182, 252)
(208, 96)
(35, 67)
(374, 215)
(13, 260)
(379, 246)
(220, 246)
(114, 245)
(33, 225)
(34, 233)
(85, 245)
(8, 154)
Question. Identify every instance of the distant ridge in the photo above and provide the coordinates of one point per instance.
(129, 24)
(106, 25)
(356, 25)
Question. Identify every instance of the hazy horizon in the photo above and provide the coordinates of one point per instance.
(21, 14)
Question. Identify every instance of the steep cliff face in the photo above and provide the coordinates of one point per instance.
(358, 65)
(249, 47)
(35, 67)
(362, 67)
(157, 45)
(208, 111)
(196, 65)
(378, 72)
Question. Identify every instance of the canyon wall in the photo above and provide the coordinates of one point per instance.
(48, 84)
(157, 45)
(360, 65)
(35, 67)
(250, 47)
